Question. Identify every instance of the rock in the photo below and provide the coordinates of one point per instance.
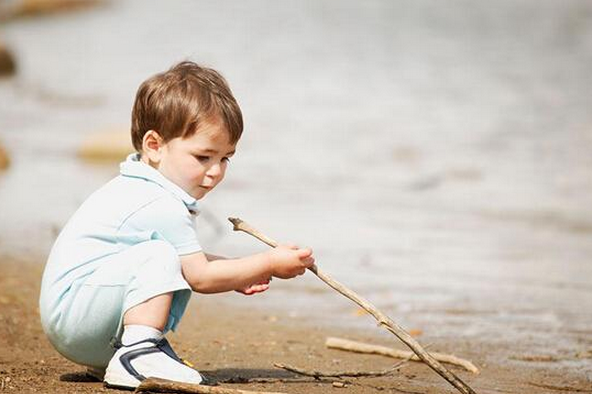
(110, 145)
(4, 161)
(7, 63)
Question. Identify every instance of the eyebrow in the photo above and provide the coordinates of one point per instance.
(214, 151)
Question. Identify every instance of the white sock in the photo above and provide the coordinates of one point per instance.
(135, 333)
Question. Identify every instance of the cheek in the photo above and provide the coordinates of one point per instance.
(197, 172)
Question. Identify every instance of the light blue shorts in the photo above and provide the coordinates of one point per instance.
(92, 312)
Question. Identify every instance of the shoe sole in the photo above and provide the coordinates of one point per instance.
(116, 387)
(120, 381)
(128, 382)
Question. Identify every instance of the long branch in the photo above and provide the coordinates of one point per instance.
(383, 320)
(360, 347)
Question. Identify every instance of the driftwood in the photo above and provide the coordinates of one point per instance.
(382, 319)
(168, 386)
(360, 347)
(553, 358)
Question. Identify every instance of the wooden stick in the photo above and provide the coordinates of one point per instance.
(382, 319)
(341, 374)
(360, 347)
(166, 386)
(243, 380)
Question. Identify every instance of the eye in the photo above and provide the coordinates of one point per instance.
(226, 159)
(202, 159)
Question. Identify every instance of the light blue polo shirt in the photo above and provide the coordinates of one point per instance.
(138, 205)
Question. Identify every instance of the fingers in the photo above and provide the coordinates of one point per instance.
(289, 261)
(304, 253)
(257, 288)
(308, 262)
(306, 259)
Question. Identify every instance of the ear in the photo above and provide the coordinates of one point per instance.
(152, 145)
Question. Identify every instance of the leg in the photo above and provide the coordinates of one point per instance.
(148, 311)
(151, 297)
(93, 311)
(152, 313)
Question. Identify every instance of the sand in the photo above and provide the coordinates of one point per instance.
(228, 341)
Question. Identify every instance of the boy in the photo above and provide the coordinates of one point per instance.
(121, 272)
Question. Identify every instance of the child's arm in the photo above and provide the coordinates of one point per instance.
(230, 274)
(251, 289)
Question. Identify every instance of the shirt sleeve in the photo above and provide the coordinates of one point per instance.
(165, 218)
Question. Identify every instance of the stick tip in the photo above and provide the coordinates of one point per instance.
(235, 222)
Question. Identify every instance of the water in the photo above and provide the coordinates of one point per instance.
(436, 156)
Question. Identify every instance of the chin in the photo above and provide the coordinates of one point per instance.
(199, 194)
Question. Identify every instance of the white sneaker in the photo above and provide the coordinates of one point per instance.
(150, 358)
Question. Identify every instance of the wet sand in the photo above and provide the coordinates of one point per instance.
(227, 341)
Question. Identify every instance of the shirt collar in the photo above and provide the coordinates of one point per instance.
(134, 167)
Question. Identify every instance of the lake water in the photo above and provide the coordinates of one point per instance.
(436, 156)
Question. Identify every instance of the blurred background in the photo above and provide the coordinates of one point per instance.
(435, 155)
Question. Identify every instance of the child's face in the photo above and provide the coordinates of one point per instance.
(198, 163)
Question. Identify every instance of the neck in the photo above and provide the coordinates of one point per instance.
(144, 159)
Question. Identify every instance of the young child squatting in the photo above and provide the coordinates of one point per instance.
(121, 272)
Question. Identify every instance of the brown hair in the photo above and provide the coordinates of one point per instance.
(175, 102)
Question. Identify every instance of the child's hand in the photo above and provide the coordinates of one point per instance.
(288, 261)
(254, 289)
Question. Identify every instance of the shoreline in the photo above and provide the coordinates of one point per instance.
(226, 339)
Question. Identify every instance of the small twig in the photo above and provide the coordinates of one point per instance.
(547, 358)
(167, 386)
(382, 319)
(553, 358)
(340, 374)
(360, 347)
(243, 380)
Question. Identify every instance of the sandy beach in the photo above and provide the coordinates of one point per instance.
(236, 343)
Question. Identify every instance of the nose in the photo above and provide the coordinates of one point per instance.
(215, 171)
